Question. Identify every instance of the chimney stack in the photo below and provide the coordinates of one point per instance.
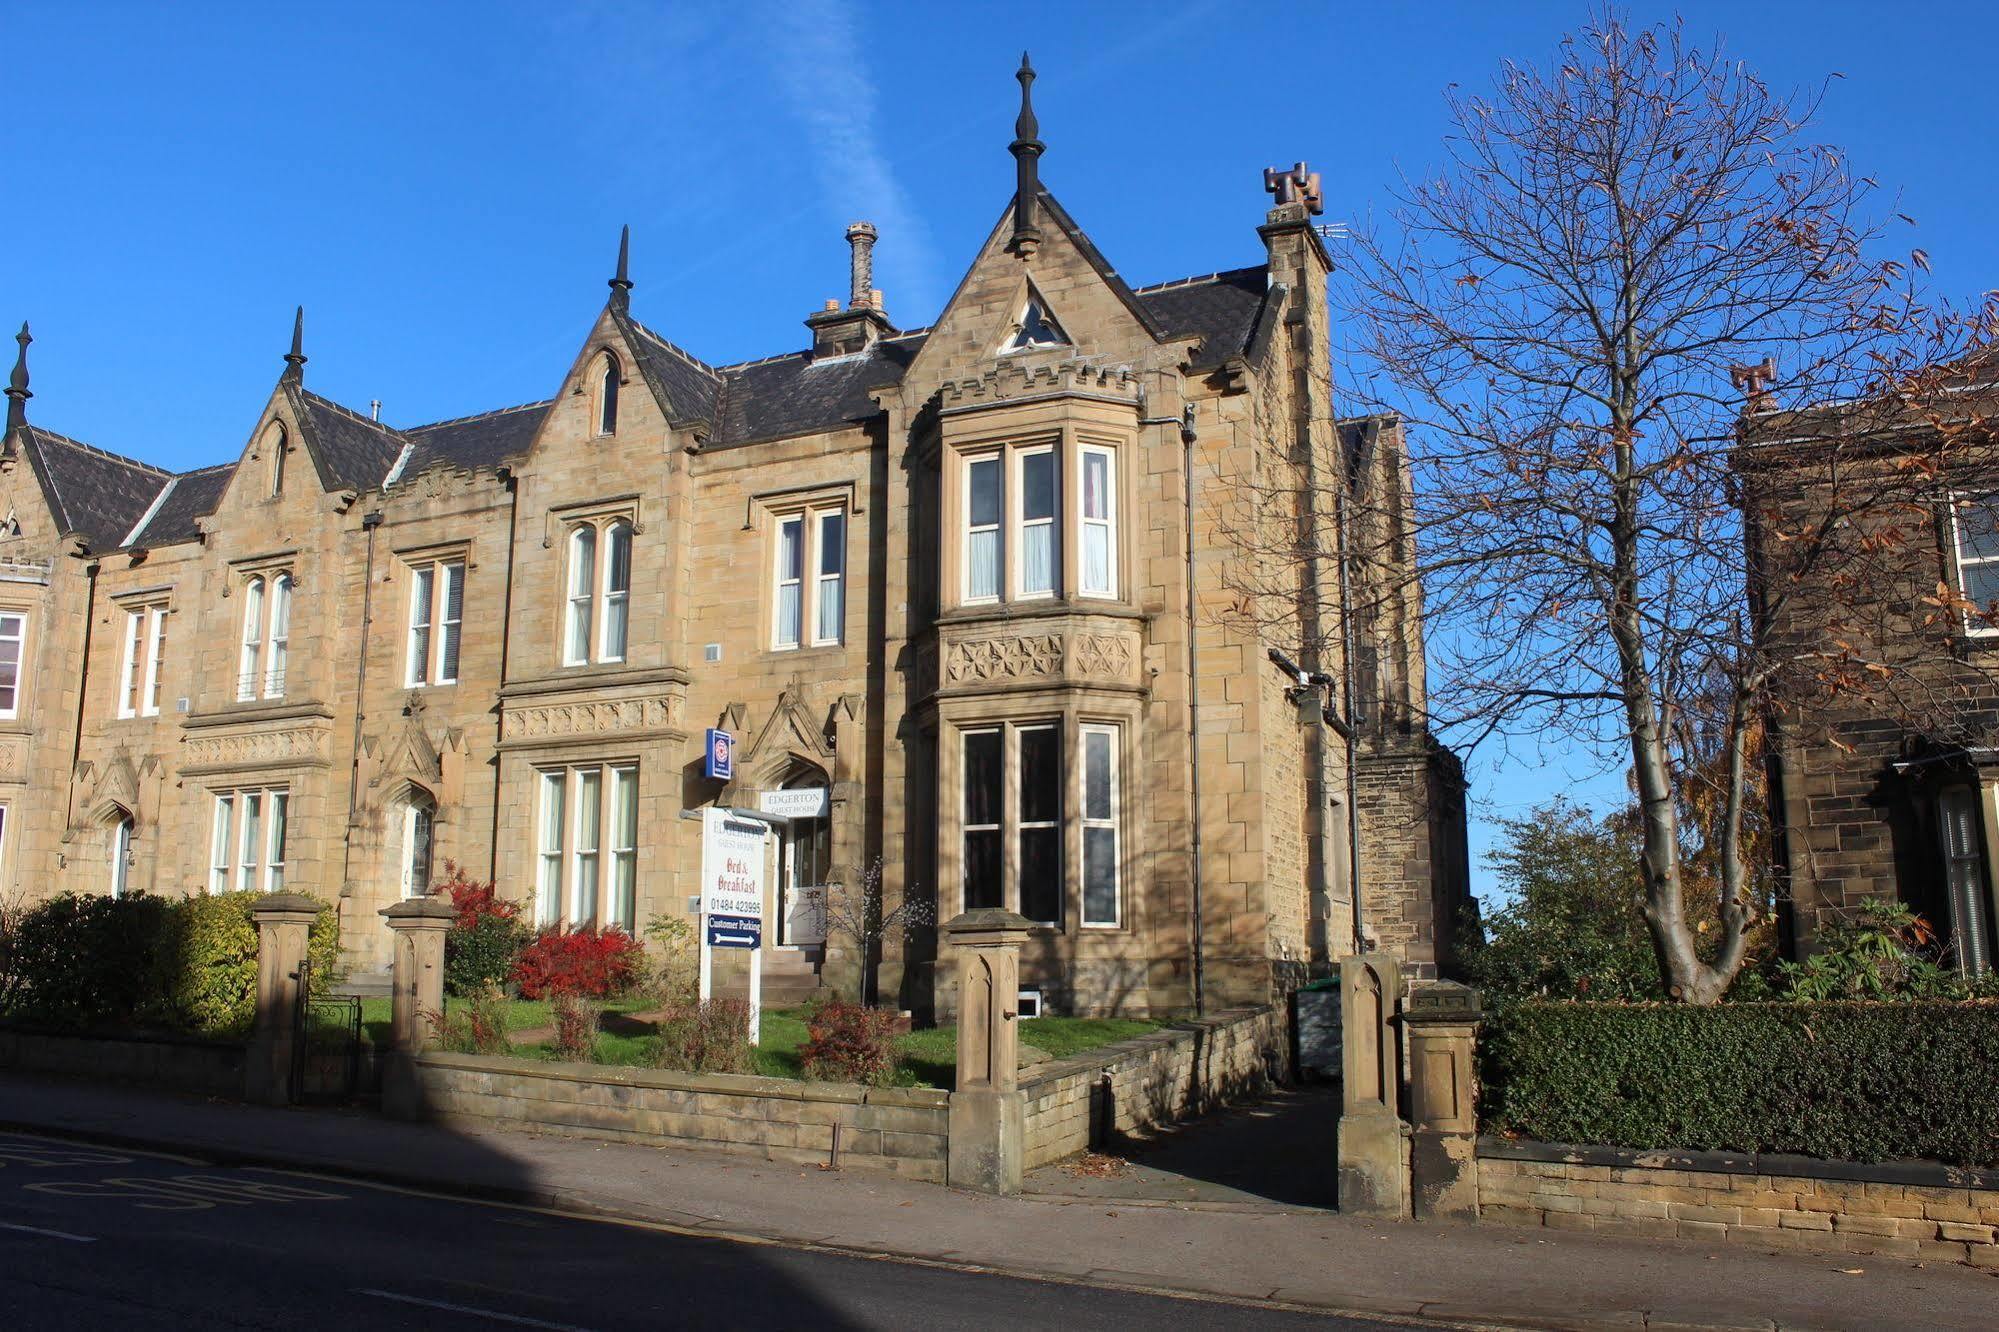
(861, 285)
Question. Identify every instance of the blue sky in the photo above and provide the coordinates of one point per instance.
(441, 185)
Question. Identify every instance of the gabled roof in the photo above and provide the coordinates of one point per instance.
(189, 496)
(1094, 257)
(797, 395)
(474, 442)
(96, 495)
(1226, 311)
(688, 385)
(353, 452)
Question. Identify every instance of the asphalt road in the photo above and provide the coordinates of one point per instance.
(98, 1237)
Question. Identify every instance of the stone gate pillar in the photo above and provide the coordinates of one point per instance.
(1442, 1020)
(284, 922)
(988, 1111)
(416, 996)
(1373, 1175)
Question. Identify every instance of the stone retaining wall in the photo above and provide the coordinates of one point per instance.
(898, 1129)
(211, 1068)
(1156, 1079)
(1937, 1213)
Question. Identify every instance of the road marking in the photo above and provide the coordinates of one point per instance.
(134, 1151)
(516, 1319)
(53, 1234)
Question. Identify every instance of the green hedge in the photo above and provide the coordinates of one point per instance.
(79, 963)
(1864, 1082)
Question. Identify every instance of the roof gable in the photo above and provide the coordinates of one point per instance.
(95, 495)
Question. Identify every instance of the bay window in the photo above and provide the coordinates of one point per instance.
(436, 622)
(247, 848)
(984, 502)
(1040, 544)
(144, 654)
(1035, 520)
(1099, 522)
(1101, 905)
(808, 580)
(577, 828)
(1012, 801)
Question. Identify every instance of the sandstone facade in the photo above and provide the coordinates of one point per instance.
(953, 577)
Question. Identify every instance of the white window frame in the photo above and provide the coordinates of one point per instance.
(143, 660)
(609, 597)
(580, 583)
(602, 846)
(969, 529)
(1107, 523)
(121, 855)
(234, 863)
(415, 808)
(1973, 628)
(1112, 734)
(265, 660)
(1011, 808)
(14, 633)
(1020, 523)
(425, 645)
(589, 595)
(812, 581)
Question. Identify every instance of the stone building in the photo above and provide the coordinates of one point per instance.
(1884, 762)
(953, 588)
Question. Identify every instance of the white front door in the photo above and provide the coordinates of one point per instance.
(802, 882)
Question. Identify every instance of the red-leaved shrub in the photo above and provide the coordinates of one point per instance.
(592, 963)
(850, 1043)
(474, 900)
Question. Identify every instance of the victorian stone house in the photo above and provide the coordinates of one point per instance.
(955, 589)
(1884, 753)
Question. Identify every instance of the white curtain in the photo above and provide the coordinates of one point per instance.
(1037, 558)
(983, 569)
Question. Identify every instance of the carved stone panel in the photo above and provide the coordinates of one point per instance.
(583, 717)
(1078, 656)
(277, 746)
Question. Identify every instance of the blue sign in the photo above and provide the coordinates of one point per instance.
(735, 932)
(719, 761)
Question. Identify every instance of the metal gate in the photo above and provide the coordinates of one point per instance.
(326, 1044)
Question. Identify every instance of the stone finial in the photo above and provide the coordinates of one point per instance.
(17, 383)
(861, 293)
(1026, 149)
(1298, 184)
(295, 358)
(621, 285)
(1755, 382)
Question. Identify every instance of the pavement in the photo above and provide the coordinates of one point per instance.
(1252, 1249)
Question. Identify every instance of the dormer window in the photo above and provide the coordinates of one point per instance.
(1037, 328)
(609, 374)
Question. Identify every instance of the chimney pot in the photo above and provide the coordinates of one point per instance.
(861, 237)
(832, 305)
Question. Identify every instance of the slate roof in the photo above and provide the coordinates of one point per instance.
(189, 496)
(690, 384)
(474, 442)
(95, 494)
(1222, 309)
(355, 453)
(795, 395)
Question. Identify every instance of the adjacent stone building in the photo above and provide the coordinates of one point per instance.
(956, 590)
(1873, 528)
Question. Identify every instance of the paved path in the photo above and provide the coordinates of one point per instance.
(1311, 1259)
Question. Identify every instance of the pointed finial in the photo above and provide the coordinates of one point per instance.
(1026, 149)
(17, 383)
(295, 358)
(621, 285)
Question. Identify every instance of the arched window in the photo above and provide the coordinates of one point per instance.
(419, 818)
(274, 441)
(617, 591)
(608, 377)
(121, 854)
(582, 588)
(281, 632)
(253, 639)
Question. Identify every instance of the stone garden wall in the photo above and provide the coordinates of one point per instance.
(1931, 1212)
(898, 1129)
(1153, 1080)
(210, 1068)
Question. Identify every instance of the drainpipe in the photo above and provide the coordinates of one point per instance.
(1193, 706)
(1349, 732)
(513, 484)
(369, 522)
(83, 685)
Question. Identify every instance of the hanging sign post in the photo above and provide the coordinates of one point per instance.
(732, 898)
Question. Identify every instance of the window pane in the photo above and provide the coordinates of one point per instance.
(586, 888)
(832, 543)
(1037, 558)
(549, 887)
(1040, 775)
(158, 671)
(418, 881)
(253, 829)
(1037, 486)
(791, 548)
(420, 594)
(618, 573)
(1096, 775)
(982, 560)
(607, 414)
(589, 808)
(280, 820)
(134, 663)
(447, 656)
(1978, 528)
(1100, 904)
(218, 851)
(1096, 485)
(787, 614)
(1096, 558)
(984, 504)
(617, 620)
(1041, 874)
(982, 777)
(1981, 586)
(582, 561)
(982, 868)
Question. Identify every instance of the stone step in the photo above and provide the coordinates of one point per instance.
(366, 985)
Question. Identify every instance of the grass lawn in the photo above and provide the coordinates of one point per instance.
(928, 1057)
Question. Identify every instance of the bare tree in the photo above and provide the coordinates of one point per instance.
(1562, 317)
(863, 917)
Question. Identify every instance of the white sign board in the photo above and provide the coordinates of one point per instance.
(732, 865)
(800, 802)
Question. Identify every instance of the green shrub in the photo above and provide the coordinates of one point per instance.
(1866, 1082)
(704, 1036)
(139, 962)
(486, 938)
